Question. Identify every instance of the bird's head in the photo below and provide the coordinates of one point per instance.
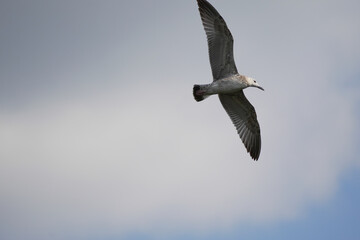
(252, 83)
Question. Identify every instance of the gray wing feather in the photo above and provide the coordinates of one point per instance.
(220, 41)
(243, 115)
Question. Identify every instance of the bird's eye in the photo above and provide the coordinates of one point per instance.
(254, 81)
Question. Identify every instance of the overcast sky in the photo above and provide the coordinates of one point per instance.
(100, 137)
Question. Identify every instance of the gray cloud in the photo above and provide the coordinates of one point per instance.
(115, 141)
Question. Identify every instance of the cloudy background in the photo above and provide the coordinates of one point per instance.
(100, 137)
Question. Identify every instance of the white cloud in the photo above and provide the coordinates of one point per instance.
(135, 159)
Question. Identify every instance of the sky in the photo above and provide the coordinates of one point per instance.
(100, 137)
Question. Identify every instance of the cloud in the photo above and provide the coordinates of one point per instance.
(133, 159)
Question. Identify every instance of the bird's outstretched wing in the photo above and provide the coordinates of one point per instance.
(220, 41)
(243, 115)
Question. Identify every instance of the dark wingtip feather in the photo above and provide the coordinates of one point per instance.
(206, 8)
(255, 150)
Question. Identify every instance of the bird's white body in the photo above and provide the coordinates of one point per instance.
(228, 85)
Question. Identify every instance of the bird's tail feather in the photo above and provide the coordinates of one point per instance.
(199, 92)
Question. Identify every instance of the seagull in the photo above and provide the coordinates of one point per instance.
(227, 82)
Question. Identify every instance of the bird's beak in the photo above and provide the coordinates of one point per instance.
(260, 88)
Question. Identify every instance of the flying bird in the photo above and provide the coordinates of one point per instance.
(227, 82)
